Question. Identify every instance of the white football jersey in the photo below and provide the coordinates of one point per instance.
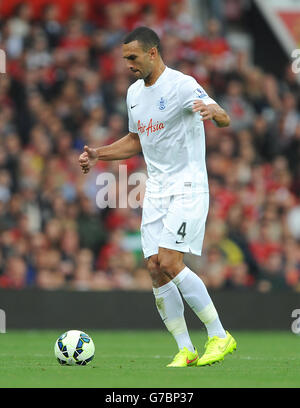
(172, 136)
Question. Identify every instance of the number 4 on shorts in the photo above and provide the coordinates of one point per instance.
(181, 230)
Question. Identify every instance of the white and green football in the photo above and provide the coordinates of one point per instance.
(74, 347)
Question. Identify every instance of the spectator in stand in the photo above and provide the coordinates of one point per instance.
(51, 24)
(239, 110)
(14, 273)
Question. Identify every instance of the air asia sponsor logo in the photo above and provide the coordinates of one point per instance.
(150, 128)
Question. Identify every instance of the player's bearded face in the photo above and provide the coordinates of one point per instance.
(139, 61)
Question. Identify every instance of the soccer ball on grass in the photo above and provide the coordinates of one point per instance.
(74, 347)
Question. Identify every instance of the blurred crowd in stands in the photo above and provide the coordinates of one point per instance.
(66, 86)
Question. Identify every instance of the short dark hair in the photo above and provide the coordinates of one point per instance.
(145, 36)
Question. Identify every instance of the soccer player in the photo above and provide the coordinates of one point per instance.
(166, 110)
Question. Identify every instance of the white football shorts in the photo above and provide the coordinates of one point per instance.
(176, 222)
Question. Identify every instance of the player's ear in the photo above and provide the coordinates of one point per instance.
(153, 52)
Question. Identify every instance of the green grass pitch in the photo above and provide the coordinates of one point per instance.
(137, 359)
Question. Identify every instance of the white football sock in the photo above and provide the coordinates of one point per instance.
(195, 293)
(171, 309)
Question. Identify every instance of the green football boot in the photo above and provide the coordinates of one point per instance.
(184, 358)
(216, 349)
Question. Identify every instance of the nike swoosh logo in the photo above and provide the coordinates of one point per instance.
(223, 348)
(133, 106)
(191, 361)
(179, 242)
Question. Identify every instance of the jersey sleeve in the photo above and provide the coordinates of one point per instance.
(131, 125)
(189, 91)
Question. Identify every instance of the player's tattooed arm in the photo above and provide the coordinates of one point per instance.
(123, 148)
(212, 112)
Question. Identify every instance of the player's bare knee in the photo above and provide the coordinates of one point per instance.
(157, 276)
(153, 267)
(170, 262)
(168, 265)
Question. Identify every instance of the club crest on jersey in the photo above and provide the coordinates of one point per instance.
(200, 93)
(162, 103)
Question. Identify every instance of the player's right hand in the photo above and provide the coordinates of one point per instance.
(88, 159)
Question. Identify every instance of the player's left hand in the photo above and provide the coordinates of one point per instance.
(206, 111)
